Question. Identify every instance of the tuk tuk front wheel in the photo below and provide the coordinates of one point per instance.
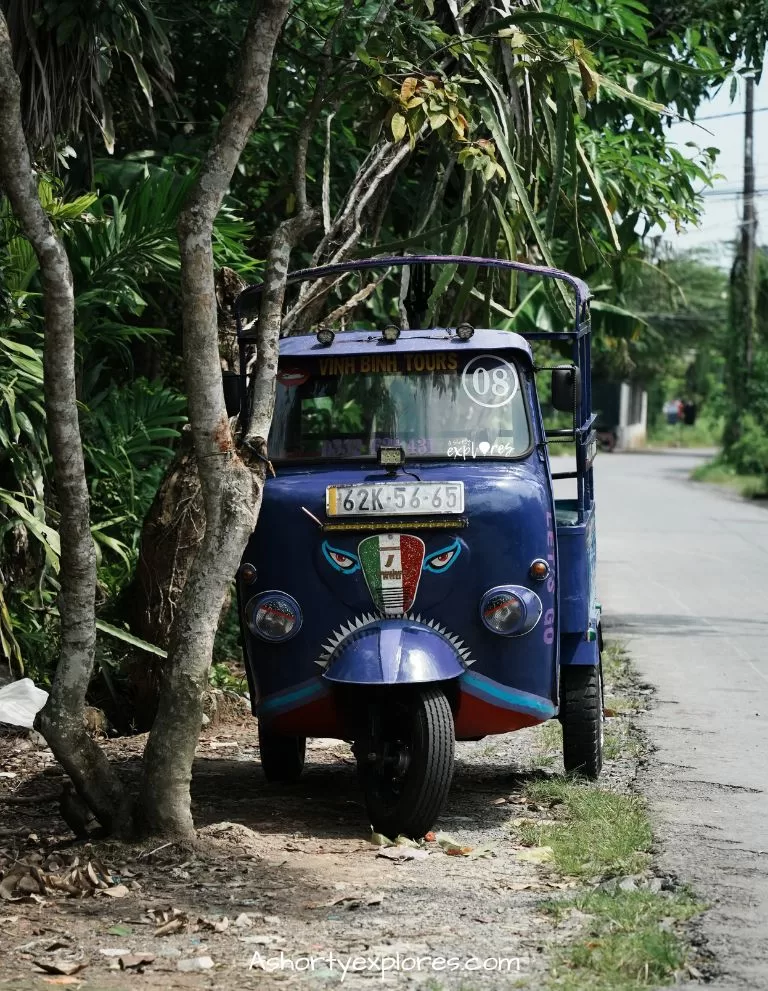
(406, 770)
(581, 715)
(282, 757)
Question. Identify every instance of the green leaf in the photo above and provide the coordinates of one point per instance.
(47, 536)
(522, 195)
(126, 637)
(143, 78)
(609, 40)
(399, 127)
(598, 195)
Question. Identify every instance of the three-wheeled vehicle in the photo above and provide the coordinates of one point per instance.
(412, 579)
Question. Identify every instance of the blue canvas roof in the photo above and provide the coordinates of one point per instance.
(371, 342)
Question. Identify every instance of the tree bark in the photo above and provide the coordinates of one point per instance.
(231, 488)
(61, 721)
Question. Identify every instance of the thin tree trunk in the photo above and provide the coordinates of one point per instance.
(231, 489)
(61, 721)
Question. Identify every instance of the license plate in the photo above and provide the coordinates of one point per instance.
(395, 499)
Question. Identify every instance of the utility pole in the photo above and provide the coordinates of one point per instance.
(749, 227)
(743, 303)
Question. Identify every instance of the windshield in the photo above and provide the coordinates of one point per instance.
(433, 404)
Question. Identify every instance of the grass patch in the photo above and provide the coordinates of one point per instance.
(549, 736)
(622, 740)
(602, 833)
(631, 940)
(617, 667)
(717, 473)
(703, 433)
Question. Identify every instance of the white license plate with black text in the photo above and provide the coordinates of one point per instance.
(395, 499)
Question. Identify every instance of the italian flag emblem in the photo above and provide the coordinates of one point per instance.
(391, 563)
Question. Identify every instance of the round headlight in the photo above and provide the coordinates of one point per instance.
(273, 616)
(510, 610)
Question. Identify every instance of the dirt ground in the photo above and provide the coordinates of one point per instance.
(284, 887)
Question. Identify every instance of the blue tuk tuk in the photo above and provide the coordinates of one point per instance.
(412, 579)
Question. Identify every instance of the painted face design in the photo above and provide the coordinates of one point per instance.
(439, 561)
(392, 565)
(342, 561)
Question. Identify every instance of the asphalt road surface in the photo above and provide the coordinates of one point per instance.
(683, 577)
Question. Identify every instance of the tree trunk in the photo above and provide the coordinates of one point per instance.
(231, 489)
(61, 721)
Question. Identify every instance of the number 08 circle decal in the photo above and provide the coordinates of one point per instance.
(490, 381)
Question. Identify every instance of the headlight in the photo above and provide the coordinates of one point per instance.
(273, 616)
(510, 610)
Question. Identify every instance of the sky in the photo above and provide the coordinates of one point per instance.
(722, 203)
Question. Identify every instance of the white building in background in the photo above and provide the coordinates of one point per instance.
(622, 407)
(632, 428)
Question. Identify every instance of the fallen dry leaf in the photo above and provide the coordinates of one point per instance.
(195, 963)
(379, 839)
(65, 967)
(405, 841)
(400, 854)
(172, 926)
(135, 961)
(535, 854)
(451, 847)
(117, 891)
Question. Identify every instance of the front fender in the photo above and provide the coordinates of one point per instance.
(394, 652)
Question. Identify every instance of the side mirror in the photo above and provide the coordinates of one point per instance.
(566, 386)
(231, 383)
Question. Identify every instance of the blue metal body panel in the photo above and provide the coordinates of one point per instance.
(392, 652)
(495, 683)
(577, 554)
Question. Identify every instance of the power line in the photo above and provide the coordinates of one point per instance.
(732, 113)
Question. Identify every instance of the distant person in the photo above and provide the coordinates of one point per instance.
(689, 413)
(671, 411)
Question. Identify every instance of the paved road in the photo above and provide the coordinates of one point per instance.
(683, 574)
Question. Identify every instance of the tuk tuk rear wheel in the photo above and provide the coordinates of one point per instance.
(581, 715)
(282, 757)
(407, 784)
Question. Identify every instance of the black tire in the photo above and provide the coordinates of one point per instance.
(581, 714)
(408, 803)
(282, 757)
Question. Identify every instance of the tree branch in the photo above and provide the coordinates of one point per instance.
(313, 111)
(231, 490)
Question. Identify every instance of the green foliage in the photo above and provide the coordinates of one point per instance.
(746, 399)
(720, 472)
(748, 455)
(127, 436)
(66, 55)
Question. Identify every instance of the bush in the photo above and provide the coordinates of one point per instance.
(749, 454)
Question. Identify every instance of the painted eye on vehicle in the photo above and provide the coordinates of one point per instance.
(441, 560)
(340, 560)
